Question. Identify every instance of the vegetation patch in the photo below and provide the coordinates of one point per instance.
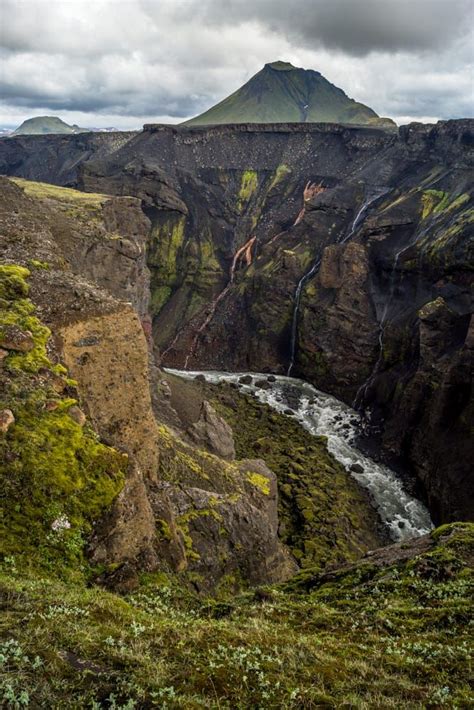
(43, 190)
(324, 517)
(56, 477)
(259, 481)
(248, 185)
(374, 637)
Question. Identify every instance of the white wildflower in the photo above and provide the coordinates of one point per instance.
(61, 523)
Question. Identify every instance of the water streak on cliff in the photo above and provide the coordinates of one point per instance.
(359, 218)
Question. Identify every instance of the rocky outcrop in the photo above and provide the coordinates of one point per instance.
(212, 433)
(338, 326)
(177, 508)
(14, 338)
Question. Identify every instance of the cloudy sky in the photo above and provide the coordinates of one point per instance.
(126, 62)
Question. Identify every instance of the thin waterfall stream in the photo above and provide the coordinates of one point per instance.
(358, 402)
(323, 415)
(315, 267)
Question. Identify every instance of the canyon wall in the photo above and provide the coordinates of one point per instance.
(385, 244)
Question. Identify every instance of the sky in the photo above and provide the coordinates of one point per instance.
(123, 63)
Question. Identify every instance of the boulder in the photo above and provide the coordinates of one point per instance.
(14, 338)
(212, 433)
(77, 415)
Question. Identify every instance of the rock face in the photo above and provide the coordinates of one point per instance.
(14, 338)
(388, 232)
(178, 508)
(58, 158)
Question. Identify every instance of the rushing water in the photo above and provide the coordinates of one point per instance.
(324, 415)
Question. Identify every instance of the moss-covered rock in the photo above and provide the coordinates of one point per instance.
(57, 478)
(323, 515)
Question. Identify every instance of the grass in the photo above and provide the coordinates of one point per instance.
(43, 190)
(370, 638)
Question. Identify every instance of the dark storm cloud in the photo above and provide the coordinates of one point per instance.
(353, 26)
(128, 61)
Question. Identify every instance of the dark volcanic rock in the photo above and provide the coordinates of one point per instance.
(388, 233)
(263, 384)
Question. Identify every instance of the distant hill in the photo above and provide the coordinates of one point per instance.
(282, 93)
(41, 125)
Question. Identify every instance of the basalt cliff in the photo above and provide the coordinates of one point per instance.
(343, 254)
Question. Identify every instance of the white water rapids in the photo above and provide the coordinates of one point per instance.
(324, 415)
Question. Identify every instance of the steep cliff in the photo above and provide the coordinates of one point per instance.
(357, 232)
(181, 501)
(53, 158)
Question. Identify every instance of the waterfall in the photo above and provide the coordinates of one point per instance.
(362, 391)
(294, 321)
(242, 254)
(358, 219)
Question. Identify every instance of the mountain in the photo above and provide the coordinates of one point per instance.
(40, 125)
(282, 93)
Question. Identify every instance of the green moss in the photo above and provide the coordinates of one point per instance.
(440, 247)
(458, 202)
(259, 481)
(433, 201)
(159, 297)
(318, 501)
(13, 284)
(280, 173)
(50, 468)
(248, 186)
(167, 242)
(20, 313)
(39, 264)
(43, 190)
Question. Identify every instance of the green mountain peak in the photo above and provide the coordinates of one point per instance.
(282, 93)
(281, 66)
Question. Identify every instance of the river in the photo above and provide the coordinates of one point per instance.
(323, 415)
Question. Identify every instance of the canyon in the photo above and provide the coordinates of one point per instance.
(235, 395)
(342, 254)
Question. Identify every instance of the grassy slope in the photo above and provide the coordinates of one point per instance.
(371, 638)
(279, 94)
